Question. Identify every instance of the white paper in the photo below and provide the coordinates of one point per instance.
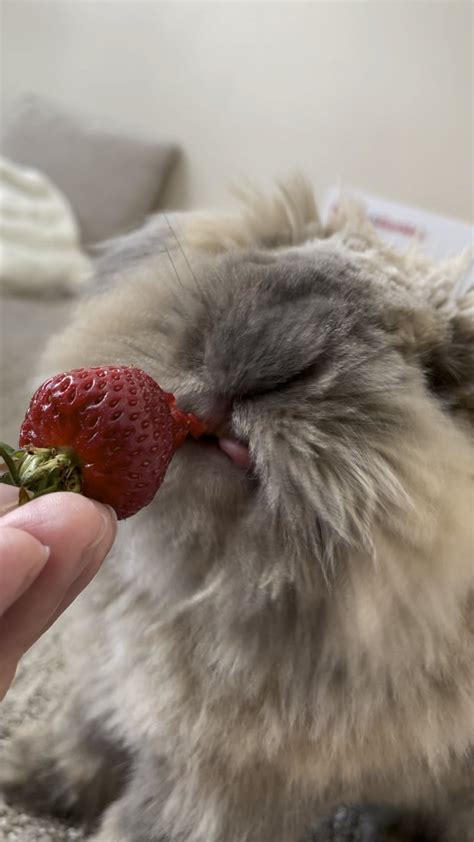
(437, 236)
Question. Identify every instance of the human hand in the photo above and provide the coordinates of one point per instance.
(50, 549)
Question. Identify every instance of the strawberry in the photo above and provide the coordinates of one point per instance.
(108, 432)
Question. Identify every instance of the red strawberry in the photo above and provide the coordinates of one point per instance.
(108, 432)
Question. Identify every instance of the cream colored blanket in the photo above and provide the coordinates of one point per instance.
(40, 251)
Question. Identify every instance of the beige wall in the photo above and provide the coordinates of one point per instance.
(377, 94)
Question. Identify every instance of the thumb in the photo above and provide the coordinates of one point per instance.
(79, 532)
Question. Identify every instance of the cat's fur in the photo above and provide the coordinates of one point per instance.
(258, 649)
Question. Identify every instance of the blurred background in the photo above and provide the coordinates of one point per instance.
(111, 110)
(376, 94)
(114, 109)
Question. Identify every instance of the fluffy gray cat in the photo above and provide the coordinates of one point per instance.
(289, 625)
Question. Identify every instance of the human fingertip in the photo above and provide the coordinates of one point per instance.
(107, 523)
(8, 498)
(23, 559)
(101, 538)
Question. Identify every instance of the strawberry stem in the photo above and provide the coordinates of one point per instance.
(7, 453)
(41, 470)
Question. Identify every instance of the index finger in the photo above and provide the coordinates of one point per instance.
(22, 557)
(74, 527)
(8, 498)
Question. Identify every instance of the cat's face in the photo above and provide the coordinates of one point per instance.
(288, 358)
(307, 368)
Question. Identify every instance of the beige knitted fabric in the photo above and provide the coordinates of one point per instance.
(37, 685)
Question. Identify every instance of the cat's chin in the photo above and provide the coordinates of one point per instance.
(211, 470)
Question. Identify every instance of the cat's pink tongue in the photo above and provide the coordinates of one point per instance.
(235, 450)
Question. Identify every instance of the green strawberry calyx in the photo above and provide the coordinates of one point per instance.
(40, 470)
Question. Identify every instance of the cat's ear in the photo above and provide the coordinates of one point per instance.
(286, 218)
(450, 365)
(438, 335)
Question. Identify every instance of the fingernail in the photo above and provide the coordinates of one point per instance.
(36, 568)
(32, 556)
(108, 524)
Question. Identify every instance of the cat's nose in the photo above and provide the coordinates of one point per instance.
(217, 414)
(213, 410)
